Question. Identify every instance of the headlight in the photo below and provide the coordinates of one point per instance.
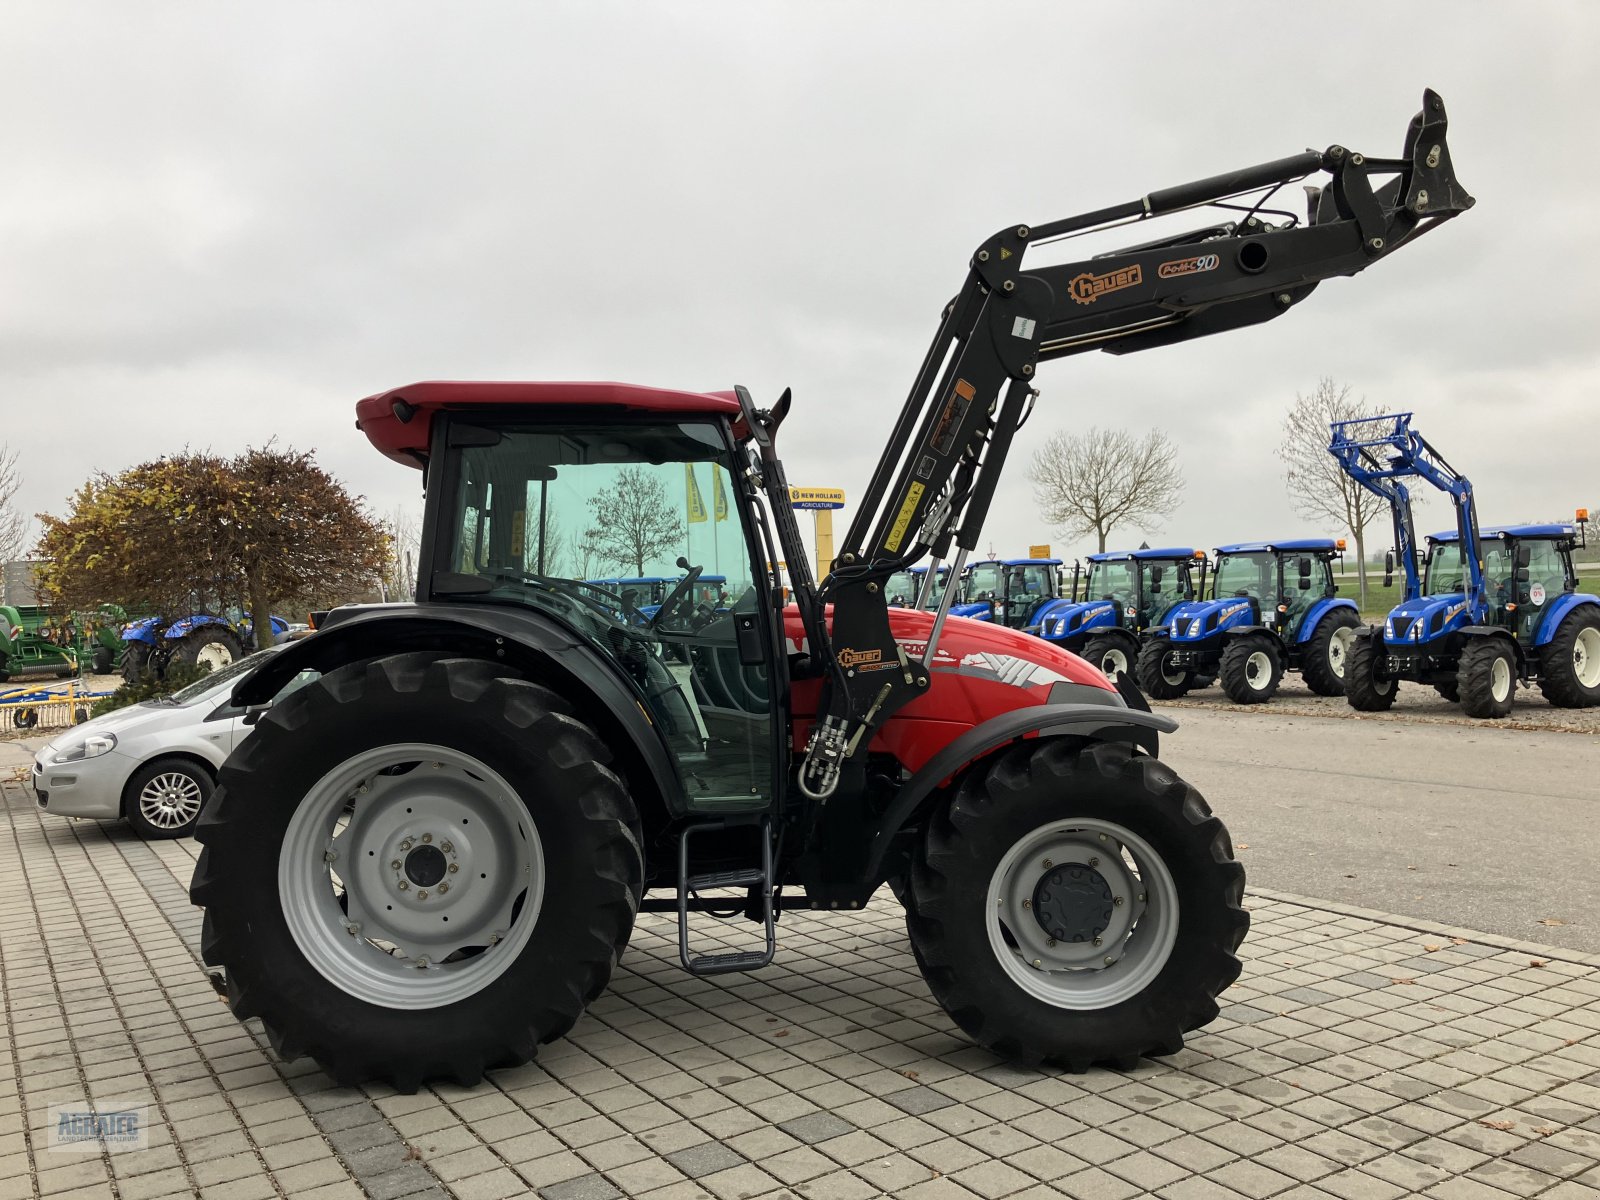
(92, 746)
(1060, 627)
(1416, 631)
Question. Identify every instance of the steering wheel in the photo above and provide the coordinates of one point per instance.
(676, 594)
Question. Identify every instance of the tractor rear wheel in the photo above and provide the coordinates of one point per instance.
(1158, 676)
(1364, 687)
(1076, 905)
(1252, 668)
(1111, 655)
(1328, 652)
(211, 646)
(1569, 669)
(417, 867)
(1487, 677)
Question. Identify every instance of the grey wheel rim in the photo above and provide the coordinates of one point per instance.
(1258, 670)
(215, 655)
(1586, 657)
(411, 876)
(1113, 963)
(1172, 676)
(1339, 650)
(1114, 663)
(171, 800)
(1500, 680)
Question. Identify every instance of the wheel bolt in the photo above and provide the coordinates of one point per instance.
(1027, 903)
(406, 844)
(1048, 864)
(422, 894)
(329, 856)
(1050, 942)
(1102, 837)
(404, 885)
(1094, 862)
(1117, 900)
(1109, 960)
(454, 868)
(423, 963)
(443, 888)
(427, 837)
(394, 864)
(1097, 941)
(447, 846)
(1039, 963)
(1140, 897)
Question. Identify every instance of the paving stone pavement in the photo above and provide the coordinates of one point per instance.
(1359, 1056)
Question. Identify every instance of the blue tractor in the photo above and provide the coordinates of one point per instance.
(904, 588)
(1495, 606)
(1009, 591)
(1273, 608)
(151, 644)
(1125, 592)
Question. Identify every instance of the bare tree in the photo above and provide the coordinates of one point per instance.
(1097, 480)
(402, 539)
(13, 525)
(1318, 487)
(632, 521)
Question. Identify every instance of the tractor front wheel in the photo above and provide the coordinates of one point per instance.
(1364, 687)
(135, 661)
(1569, 672)
(1328, 652)
(417, 867)
(1487, 677)
(1159, 676)
(1111, 655)
(1076, 905)
(1252, 668)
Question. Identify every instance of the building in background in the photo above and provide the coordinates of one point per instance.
(19, 583)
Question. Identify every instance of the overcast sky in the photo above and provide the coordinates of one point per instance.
(222, 224)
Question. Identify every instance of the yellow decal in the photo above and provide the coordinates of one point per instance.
(1004, 254)
(903, 522)
(1086, 288)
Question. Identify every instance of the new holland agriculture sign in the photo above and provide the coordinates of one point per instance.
(801, 497)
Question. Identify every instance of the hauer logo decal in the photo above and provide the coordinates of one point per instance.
(1188, 266)
(854, 658)
(1087, 288)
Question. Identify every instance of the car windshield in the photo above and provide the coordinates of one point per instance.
(1247, 575)
(222, 675)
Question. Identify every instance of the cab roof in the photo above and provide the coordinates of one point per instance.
(1017, 562)
(1172, 552)
(1325, 544)
(398, 422)
(1509, 531)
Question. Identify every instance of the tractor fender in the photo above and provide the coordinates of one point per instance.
(1314, 615)
(143, 630)
(1496, 631)
(1558, 613)
(184, 626)
(536, 645)
(1240, 630)
(1108, 720)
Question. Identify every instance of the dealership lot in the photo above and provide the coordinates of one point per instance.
(1359, 1055)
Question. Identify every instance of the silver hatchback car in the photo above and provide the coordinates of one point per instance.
(153, 764)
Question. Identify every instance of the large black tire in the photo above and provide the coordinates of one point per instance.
(1487, 677)
(215, 645)
(1112, 654)
(1251, 669)
(1159, 679)
(1002, 803)
(103, 661)
(135, 661)
(1450, 689)
(580, 811)
(184, 784)
(1327, 653)
(1569, 664)
(1365, 687)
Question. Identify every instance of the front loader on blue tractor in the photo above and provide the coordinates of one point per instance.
(1496, 606)
(1125, 593)
(1273, 608)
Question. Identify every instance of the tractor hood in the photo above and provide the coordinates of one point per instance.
(1065, 618)
(1425, 618)
(1196, 619)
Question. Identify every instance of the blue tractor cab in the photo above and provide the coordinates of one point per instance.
(1273, 608)
(1009, 591)
(1494, 606)
(1125, 592)
(904, 588)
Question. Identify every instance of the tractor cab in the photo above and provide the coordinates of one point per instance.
(1009, 591)
(1271, 585)
(903, 588)
(1529, 584)
(1124, 593)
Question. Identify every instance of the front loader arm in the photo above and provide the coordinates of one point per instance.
(934, 483)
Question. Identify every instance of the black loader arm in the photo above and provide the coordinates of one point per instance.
(934, 483)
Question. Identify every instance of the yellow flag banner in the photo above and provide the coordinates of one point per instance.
(697, 506)
(719, 498)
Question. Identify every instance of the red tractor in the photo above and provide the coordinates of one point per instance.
(428, 861)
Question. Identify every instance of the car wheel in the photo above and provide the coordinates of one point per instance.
(165, 798)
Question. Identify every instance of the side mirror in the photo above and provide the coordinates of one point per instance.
(1524, 555)
(1522, 574)
(1388, 568)
(1155, 577)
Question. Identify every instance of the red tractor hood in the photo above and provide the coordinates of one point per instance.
(981, 670)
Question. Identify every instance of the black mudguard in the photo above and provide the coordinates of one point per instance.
(528, 642)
